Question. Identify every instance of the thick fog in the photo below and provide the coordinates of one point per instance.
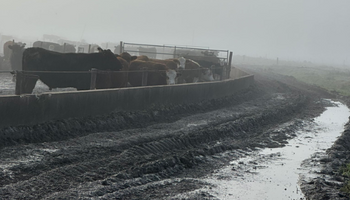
(312, 30)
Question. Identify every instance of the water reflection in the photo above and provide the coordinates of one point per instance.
(273, 174)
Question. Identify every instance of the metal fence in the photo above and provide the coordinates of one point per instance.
(167, 52)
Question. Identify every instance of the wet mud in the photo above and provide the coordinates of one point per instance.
(161, 153)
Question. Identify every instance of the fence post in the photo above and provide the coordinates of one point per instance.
(93, 78)
(223, 73)
(89, 48)
(175, 52)
(229, 65)
(64, 47)
(144, 77)
(19, 79)
(121, 47)
(180, 78)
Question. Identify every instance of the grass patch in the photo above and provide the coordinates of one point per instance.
(345, 171)
(329, 78)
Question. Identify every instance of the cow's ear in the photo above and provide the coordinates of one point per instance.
(133, 58)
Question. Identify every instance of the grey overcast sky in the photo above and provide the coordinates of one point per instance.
(313, 30)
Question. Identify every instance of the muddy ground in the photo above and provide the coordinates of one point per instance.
(162, 153)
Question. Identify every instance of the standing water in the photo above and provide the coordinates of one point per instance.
(273, 174)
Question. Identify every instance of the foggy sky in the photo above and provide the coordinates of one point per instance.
(312, 30)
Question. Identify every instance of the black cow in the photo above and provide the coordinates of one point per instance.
(60, 70)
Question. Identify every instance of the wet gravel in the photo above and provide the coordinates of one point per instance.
(159, 153)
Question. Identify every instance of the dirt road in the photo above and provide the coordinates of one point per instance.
(154, 154)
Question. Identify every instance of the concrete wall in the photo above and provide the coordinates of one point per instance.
(32, 109)
(237, 73)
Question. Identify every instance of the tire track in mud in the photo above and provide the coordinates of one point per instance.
(112, 164)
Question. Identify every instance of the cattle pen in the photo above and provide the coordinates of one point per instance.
(31, 109)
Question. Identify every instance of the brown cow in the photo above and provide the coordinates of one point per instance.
(143, 58)
(169, 63)
(116, 79)
(122, 80)
(157, 74)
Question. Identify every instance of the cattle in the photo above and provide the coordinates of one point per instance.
(142, 57)
(215, 66)
(121, 78)
(16, 55)
(157, 74)
(66, 48)
(192, 72)
(127, 57)
(206, 59)
(60, 70)
(124, 58)
(169, 63)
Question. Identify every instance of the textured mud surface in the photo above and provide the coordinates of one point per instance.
(154, 154)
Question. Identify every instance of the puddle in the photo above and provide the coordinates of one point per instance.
(273, 174)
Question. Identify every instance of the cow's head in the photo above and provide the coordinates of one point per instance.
(17, 55)
(182, 61)
(126, 56)
(207, 75)
(110, 60)
(171, 76)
